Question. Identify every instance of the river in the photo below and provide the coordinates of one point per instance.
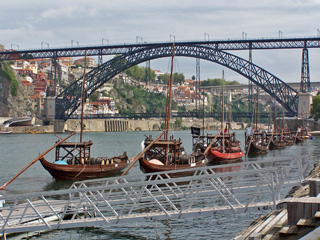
(18, 150)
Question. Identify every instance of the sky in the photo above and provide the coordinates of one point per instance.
(32, 24)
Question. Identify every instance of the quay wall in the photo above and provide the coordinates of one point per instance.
(120, 125)
(112, 125)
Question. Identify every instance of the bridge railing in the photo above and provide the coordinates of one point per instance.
(236, 188)
(195, 114)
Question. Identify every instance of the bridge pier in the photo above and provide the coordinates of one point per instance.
(304, 105)
(58, 126)
(116, 125)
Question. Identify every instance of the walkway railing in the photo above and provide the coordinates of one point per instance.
(235, 188)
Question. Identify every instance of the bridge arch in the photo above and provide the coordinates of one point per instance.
(68, 100)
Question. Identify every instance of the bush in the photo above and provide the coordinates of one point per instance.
(7, 72)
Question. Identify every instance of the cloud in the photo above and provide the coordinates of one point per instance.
(30, 22)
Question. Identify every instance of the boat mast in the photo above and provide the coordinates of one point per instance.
(83, 94)
(222, 120)
(257, 106)
(203, 112)
(274, 115)
(169, 96)
(222, 105)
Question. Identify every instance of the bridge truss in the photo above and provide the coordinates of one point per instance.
(231, 188)
(68, 101)
(282, 93)
(119, 49)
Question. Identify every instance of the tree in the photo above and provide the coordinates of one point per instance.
(315, 108)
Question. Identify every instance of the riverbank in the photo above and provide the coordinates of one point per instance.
(297, 216)
(118, 125)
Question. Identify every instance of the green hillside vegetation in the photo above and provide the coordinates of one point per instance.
(315, 107)
(154, 103)
(141, 73)
(7, 72)
(218, 82)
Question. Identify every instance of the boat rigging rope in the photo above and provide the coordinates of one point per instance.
(84, 166)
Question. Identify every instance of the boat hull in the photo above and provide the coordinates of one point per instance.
(81, 172)
(148, 167)
(257, 149)
(221, 157)
(277, 145)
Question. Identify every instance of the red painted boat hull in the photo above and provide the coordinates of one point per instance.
(215, 155)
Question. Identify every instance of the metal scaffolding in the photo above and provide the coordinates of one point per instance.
(230, 188)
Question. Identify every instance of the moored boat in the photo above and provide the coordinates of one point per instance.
(225, 148)
(276, 141)
(74, 162)
(167, 153)
(255, 143)
(5, 132)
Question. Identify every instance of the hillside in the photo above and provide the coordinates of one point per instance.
(130, 98)
(13, 100)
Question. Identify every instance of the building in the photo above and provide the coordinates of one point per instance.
(90, 62)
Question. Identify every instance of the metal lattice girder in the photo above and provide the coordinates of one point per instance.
(68, 101)
(247, 186)
(305, 75)
(237, 44)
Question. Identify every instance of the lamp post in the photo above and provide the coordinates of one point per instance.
(12, 44)
(206, 35)
(174, 38)
(244, 35)
(280, 34)
(139, 38)
(105, 39)
(42, 43)
(72, 41)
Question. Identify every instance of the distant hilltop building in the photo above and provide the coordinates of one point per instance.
(1, 48)
(90, 62)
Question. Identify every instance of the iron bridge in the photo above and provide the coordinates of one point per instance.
(131, 54)
(232, 188)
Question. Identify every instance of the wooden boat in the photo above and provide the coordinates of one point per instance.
(288, 138)
(167, 153)
(5, 132)
(256, 143)
(74, 162)
(276, 144)
(276, 141)
(225, 148)
(255, 140)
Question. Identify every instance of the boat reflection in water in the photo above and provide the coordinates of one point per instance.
(232, 166)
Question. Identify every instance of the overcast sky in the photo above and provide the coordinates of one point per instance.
(27, 23)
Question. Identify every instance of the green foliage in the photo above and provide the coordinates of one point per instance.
(154, 103)
(178, 78)
(218, 82)
(94, 97)
(315, 108)
(7, 72)
(140, 73)
(129, 100)
(178, 123)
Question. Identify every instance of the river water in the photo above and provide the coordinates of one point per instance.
(18, 150)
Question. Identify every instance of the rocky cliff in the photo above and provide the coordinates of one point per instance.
(11, 106)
